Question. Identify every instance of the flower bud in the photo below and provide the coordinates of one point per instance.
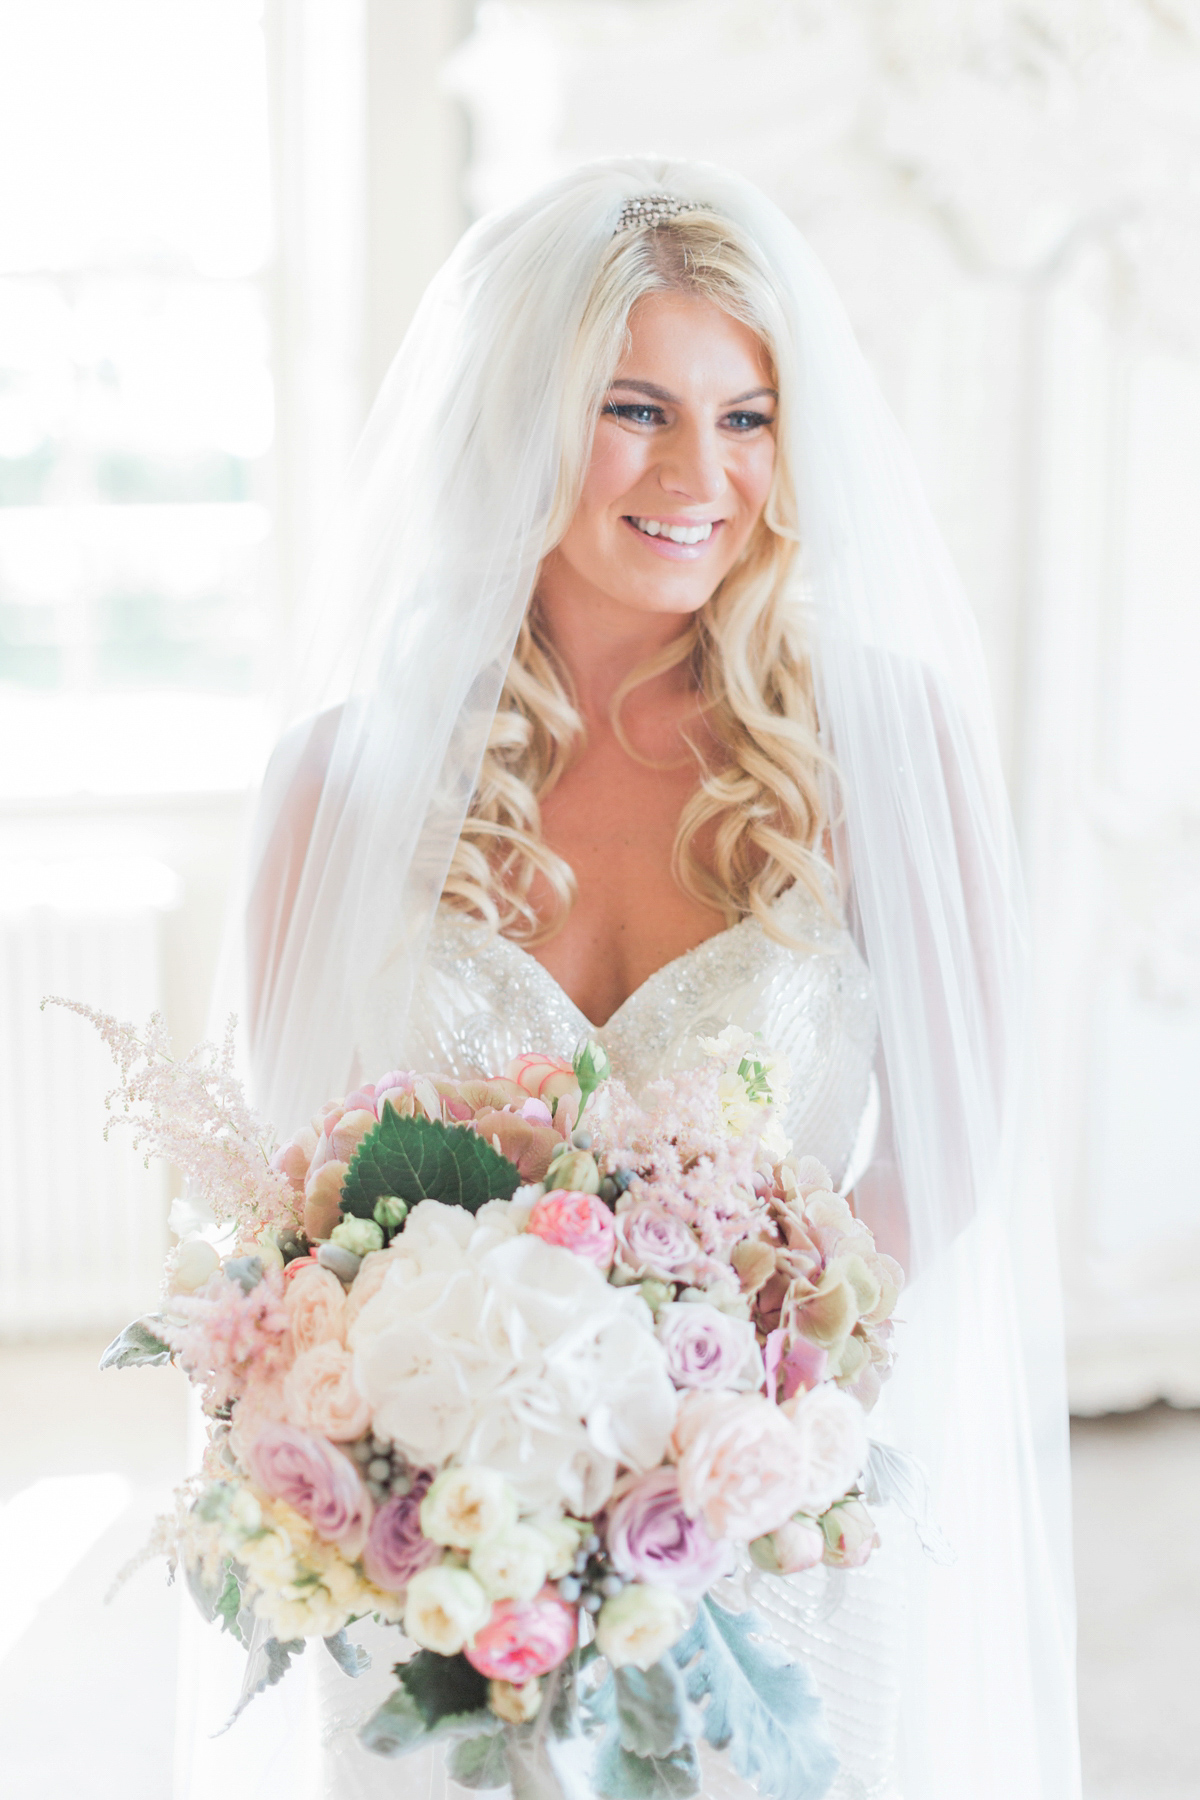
(850, 1535)
(656, 1293)
(575, 1169)
(591, 1068)
(358, 1236)
(390, 1212)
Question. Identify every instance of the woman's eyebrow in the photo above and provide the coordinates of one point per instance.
(654, 392)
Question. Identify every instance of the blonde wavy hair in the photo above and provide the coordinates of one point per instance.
(758, 803)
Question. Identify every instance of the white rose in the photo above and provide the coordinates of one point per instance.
(465, 1506)
(639, 1625)
(512, 1565)
(832, 1429)
(444, 1609)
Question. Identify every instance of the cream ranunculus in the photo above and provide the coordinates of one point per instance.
(512, 1565)
(515, 1705)
(444, 1609)
(466, 1506)
(640, 1624)
(319, 1394)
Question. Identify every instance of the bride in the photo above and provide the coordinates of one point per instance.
(642, 699)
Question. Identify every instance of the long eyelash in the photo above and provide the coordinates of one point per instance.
(619, 409)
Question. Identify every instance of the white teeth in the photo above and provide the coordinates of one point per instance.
(678, 534)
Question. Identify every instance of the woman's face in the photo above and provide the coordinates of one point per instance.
(681, 462)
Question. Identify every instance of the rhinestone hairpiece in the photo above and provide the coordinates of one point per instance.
(654, 209)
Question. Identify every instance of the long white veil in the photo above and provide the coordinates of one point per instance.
(416, 608)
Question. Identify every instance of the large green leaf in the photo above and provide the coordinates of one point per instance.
(648, 1751)
(761, 1706)
(137, 1345)
(438, 1696)
(420, 1159)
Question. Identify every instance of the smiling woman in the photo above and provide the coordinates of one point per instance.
(657, 732)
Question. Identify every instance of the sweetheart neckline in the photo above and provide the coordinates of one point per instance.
(717, 937)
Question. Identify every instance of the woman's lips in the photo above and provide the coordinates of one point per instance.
(666, 547)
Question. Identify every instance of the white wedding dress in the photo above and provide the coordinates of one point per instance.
(480, 1002)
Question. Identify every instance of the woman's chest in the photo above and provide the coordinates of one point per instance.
(615, 823)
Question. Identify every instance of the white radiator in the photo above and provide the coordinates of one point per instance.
(82, 1222)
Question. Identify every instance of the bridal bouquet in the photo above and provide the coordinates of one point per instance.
(527, 1369)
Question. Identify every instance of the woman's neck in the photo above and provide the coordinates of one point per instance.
(601, 642)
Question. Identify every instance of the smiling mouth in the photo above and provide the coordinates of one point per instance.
(699, 533)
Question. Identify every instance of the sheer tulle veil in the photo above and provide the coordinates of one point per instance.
(415, 609)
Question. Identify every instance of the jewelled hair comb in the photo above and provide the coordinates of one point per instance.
(654, 209)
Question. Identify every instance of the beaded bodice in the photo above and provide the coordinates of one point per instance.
(481, 1000)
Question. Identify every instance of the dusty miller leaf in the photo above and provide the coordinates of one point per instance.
(479, 1762)
(761, 1706)
(420, 1159)
(136, 1346)
(268, 1662)
(350, 1658)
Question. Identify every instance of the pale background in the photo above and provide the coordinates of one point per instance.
(216, 217)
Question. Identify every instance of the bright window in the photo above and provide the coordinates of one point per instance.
(136, 407)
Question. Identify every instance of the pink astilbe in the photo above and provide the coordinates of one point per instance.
(230, 1342)
(685, 1161)
(194, 1114)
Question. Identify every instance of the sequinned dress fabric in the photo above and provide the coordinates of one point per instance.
(481, 1001)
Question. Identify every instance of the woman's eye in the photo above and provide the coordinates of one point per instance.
(637, 414)
(747, 421)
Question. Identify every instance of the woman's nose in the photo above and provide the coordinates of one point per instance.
(693, 467)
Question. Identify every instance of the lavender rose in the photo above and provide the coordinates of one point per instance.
(708, 1349)
(396, 1547)
(321, 1483)
(652, 1241)
(651, 1539)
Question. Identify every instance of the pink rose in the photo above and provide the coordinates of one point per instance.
(316, 1303)
(321, 1483)
(831, 1432)
(652, 1241)
(396, 1547)
(321, 1395)
(651, 1539)
(741, 1463)
(578, 1222)
(707, 1349)
(524, 1638)
(542, 1076)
